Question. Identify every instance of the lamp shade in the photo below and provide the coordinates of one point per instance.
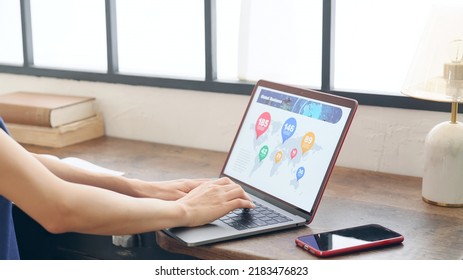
(436, 72)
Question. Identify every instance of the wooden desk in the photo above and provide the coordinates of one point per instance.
(353, 197)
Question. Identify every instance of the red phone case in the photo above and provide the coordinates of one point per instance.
(335, 252)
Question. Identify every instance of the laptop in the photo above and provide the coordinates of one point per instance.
(282, 155)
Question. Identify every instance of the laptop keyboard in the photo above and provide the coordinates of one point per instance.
(259, 216)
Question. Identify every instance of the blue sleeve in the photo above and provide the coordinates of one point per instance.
(8, 243)
(3, 126)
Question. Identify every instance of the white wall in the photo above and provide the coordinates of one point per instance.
(381, 139)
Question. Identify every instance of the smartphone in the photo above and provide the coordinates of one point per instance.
(342, 241)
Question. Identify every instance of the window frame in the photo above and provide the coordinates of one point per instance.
(210, 83)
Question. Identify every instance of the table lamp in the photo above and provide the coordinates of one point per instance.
(436, 74)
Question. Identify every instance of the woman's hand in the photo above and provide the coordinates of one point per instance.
(213, 199)
(168, 190)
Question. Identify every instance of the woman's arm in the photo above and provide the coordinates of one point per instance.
(168, 190)
(63, 206)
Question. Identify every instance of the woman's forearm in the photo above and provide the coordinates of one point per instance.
(74, 174)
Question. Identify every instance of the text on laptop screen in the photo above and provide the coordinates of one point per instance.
(285, 145)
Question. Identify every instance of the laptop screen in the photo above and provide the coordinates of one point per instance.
(287, 144)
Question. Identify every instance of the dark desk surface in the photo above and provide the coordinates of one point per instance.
(353, 197)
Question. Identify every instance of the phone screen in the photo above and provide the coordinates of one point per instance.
(349, 239)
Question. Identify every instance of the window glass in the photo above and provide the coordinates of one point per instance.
(280, 40)
(375, 42)
(10, 33)
(161, 38)
(228, 26)
(69, 34)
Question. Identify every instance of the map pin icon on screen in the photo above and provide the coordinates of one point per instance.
(262, 124)
(300, 173)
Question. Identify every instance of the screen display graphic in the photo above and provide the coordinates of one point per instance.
(285, 145)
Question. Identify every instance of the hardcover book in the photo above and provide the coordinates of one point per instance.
(47, 110)
(58, 137)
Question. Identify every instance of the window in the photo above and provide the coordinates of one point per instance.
(375, 43)
(275, 40)
(69, 34)
(356, 48)
(228, 24)
(161, 38)
(10, 33)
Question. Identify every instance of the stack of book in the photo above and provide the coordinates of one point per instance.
(50, 120)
